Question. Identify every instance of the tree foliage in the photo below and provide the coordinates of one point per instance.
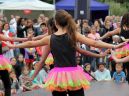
(117, 7)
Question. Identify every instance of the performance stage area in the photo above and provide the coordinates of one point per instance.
(97, 89)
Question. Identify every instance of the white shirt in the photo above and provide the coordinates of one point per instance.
(105, 75)
(13, 24)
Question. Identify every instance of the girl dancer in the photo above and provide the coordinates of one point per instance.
(123, 31)
(66, 76)
(5, 66)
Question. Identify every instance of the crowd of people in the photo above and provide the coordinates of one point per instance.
(97, 63)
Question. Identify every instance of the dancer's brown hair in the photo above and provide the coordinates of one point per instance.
(65, 20)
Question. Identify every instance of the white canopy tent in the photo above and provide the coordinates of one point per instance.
(26, 5)
(3, 1)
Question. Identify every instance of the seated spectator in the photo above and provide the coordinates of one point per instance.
(119, 75)
(102, 74)
(44, 72)
(13, 63)
(19, 65)
(23, 79)
(37, 79)
(87, 69)
(26, 84)
(29, 52)
(116, 41)
(15, 85)
(1, 86)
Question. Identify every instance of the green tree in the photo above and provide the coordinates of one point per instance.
(117, 7)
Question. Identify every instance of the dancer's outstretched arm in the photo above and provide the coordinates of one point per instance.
(122, 60)
(111, 33)
(40, 37)
(99, 44)
(15, 39)
(4, 38)
(30, 44)
(85, 52)
(46, 51)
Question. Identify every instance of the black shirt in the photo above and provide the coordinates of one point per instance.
(108, 39)
(124, 33)
(62, 51)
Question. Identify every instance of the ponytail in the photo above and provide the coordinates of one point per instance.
(65, 20)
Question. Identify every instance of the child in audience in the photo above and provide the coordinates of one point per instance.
(116, 41)
(26, 84)
(44, 72)
(1, 88)
(13, 63)
(23, 79)
(37, 79)
(87, 70)
(19, 65)
(15, 84)
(102, 74)
(29, 52)
(119, 75)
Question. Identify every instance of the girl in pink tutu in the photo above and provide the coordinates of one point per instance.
(123, 31)
(66, 76)
(5, 66)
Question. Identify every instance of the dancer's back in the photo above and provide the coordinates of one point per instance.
(62, 51)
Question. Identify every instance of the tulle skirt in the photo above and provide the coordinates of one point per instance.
(89, 78)
(122, 52)
(49, 60)
(5, 64)
(66, 78)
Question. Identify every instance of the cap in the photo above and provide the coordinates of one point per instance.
(35, 62)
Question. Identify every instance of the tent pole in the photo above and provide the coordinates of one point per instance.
(1, 11)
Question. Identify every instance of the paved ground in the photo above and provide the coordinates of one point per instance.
(97, 89)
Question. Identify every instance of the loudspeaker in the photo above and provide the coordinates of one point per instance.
(82, 9)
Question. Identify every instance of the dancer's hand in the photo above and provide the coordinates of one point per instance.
(100, 38)
(113, 55)
(30, 37)
(108, 51)
(11, 46)
(120, 45)
(103, 54)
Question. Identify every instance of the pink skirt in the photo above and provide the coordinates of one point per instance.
(122, 52)
(89, 78)
(49, 60)
(5, 63)
(66, 78)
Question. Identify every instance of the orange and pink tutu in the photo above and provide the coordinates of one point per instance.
(122, 52)
(5, 64)
(66, 78)
(49, 60)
